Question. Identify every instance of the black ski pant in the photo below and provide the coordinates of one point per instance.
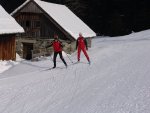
(61, 57)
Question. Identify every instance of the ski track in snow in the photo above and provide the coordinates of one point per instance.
(113, 83)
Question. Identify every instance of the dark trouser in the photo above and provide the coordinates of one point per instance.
(61, 57)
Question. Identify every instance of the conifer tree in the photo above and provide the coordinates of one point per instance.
(79, 7)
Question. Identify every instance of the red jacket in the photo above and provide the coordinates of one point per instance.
(57, 45)
(81, 43)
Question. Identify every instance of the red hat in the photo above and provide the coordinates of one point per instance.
(55, 36)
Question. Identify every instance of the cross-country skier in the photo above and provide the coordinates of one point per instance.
(81, 44)
(57, 47)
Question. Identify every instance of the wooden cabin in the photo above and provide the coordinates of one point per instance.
(8, 30)
(41, 20)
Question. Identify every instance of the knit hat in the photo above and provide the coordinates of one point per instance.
(55, 36)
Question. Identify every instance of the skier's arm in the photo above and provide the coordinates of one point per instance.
(76, 43)
(49, 45)
(86, 44)
(61, 44)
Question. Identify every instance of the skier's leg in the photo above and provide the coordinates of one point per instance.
(54, 58)
(86, 55)
(79, 51)
(61, 57)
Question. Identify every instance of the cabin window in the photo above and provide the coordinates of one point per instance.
(28, 23)
(37, 24)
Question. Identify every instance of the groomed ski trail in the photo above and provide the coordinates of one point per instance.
(117, 81)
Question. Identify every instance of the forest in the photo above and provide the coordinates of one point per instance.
(105, 17)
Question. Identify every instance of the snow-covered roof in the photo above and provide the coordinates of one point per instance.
(8, 24)
(64, 17)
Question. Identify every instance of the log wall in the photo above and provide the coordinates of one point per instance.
(7, 48)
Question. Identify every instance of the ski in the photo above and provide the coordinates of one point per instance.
(89, 63)
(47, 69)
(65, 67)
(54, 68)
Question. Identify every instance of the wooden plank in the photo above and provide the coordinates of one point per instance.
(0, 48)
(7, 47)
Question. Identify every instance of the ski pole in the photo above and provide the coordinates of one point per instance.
(49, 55)
(69, 58)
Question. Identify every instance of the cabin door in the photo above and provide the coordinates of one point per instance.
(27, 51)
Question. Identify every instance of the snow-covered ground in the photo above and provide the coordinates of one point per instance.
(117, 81)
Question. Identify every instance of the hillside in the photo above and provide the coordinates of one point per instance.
(117, 81)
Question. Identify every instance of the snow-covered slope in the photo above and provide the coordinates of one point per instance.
(117, 81)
